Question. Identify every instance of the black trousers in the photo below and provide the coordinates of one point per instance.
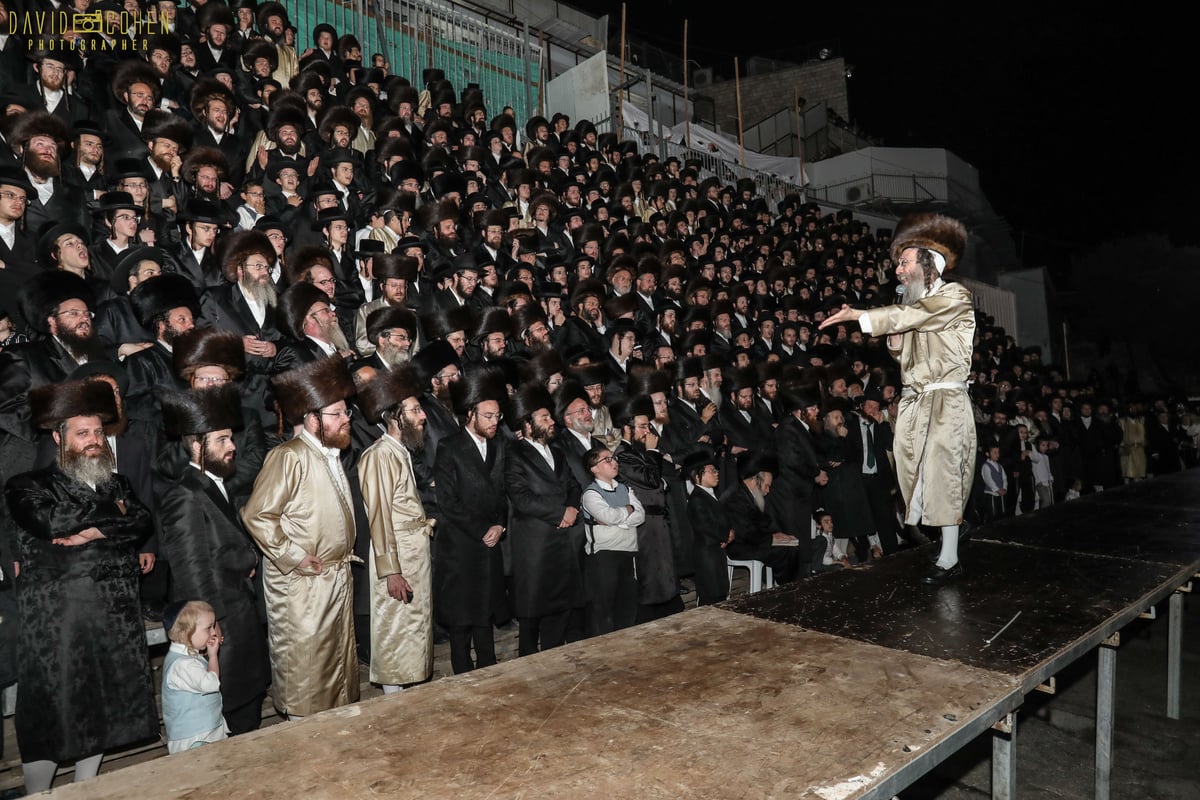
(883, 511)
(245, 718)
(461, 640)
(542, 633)
(612, 590)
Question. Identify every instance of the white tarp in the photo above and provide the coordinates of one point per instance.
(784, 168)
(582, 91)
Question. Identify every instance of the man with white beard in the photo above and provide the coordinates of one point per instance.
(930, 333)
(392, 332)
(306, 315)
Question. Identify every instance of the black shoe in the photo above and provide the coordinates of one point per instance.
(939, 575)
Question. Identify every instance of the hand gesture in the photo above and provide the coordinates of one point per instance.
(262, 157)
(83, 537)
(707, 413)
(651, 441)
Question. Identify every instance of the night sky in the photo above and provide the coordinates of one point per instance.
(1078, 124)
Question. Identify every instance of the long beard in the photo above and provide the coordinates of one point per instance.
(914, 292)
(95, 470)
(44, 168)
(760, 500)
(334, 335)
(263, 293)
(394, 356)
(412, 436)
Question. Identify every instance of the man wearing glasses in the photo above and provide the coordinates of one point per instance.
(306, 315)
(301, 515)
(930, 332)
(120, 215)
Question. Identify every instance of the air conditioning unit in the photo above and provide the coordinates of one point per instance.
(702, 77)
(858, 192)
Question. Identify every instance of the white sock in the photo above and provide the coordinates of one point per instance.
(949, 554)
(392, 688)
(39, 775)
(88, 767)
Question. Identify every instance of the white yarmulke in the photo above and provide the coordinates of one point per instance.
(939, 261)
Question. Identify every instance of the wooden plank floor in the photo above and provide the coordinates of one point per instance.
(506, 650)
(707, 703)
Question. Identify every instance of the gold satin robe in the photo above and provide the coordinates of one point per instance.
(401, 634)
(935, 429)
(295, 510)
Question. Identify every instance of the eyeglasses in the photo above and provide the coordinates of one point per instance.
(127, 218)
(321, 312)
(10, 196)
(75, 313)
(347, 413)
(256, 267)
(497, 416)
(448, 376)
(53, 69)
(606, 460)
(212, 381)
(325, 282)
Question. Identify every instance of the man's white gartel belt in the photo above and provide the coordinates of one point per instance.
(910, 391)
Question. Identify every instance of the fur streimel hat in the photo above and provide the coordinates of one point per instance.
(312, 387)
(388, 391)
(53, 403)
(208, 347)
(193, 413)
(944, 236)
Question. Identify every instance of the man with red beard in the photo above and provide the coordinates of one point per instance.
(36, 139)
(301, 515)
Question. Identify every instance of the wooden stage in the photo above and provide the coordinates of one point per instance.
(850, 685)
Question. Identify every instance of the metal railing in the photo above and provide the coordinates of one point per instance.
(415, 35)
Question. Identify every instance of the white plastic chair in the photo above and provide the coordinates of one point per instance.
(756, 569)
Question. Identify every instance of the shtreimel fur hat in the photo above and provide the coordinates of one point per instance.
(53, 403)
(312, 387)
(945, 236)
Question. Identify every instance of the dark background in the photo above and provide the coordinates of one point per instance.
(1079, 122)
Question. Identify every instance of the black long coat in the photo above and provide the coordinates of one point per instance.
(791, 497)
(212, 559)
(657, 575)
(84, 673)
(545, 558)
(711, 528)
(468, 575)
(845, 496)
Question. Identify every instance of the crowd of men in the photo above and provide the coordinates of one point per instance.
(370, 360)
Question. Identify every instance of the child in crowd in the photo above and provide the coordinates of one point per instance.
(1074, 491)
(830, 553)
(1043, 478)
(191, 677)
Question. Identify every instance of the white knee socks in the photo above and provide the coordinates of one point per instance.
(949, 554)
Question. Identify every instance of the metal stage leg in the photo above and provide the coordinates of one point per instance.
(1105, 682)
(1004, 758)
(1174, 653)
